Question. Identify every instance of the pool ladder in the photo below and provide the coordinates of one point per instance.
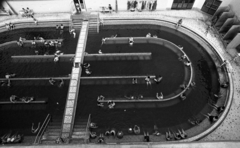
(42, 129)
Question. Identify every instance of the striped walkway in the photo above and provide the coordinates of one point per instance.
(71, 104)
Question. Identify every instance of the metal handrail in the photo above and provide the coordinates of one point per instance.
(87, 129)
(44, 129)
(98, 23)
(37, 136)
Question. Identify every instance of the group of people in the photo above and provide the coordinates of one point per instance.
(194, 121)
(141, 5)
(219, 109)
(61, 28)
(86, 66)
(131, 40)
(186, 61)
(157, 79)
(27, 12)
(10, 138)
(107, 9)
(10, 26)
(20, 41)
(47, 44)
(110, 103)
(78, 8)
(8, 82)
(178, 135)
(101, 138)
(149, 35)
(14, 99)
(132, 97)
(60, 82)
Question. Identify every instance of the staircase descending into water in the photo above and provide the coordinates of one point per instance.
(93, 24)
(80, 130)
(53, 130)
(76, 22)
(77, 19)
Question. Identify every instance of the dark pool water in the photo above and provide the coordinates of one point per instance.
(20, 117)
(163, 62)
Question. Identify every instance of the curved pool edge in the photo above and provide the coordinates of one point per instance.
(183, 29)
(230, 95)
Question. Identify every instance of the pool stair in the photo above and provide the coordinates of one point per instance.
(87, 57)
(53, 130)
(79, 133)
(77, 19)
(93, 23)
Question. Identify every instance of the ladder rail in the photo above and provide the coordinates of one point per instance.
(87, 129)
(36, 141)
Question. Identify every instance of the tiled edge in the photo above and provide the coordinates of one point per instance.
(69, 113)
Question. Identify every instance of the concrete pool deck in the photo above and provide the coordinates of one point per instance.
(195, 20)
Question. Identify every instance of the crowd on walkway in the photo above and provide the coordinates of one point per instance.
(10, 138)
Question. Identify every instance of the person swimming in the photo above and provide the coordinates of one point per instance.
(56, 58)
(136, 129)
(51, 81)
(158, 79)
(159, 96)
(35, 130)
(148, 80)
(130, 40)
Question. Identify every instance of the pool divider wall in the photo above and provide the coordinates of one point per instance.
(20, 24)
(72, 98)
(168, 100)
(87, 57)
(207, 45)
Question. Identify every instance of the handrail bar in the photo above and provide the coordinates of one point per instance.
(41, 128)
(98, 23)
(87, 129)
(44, 129)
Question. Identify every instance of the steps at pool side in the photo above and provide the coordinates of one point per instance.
(79, 129)
(53, 130)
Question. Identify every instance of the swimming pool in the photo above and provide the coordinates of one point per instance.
(19, 117)
(164, 62)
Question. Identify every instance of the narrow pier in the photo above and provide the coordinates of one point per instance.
(69, 113)
(87, 57)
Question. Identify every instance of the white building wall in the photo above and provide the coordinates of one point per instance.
(235, 4)
(164, 4)
(94, 5)
(42, 6)
(199, 3)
